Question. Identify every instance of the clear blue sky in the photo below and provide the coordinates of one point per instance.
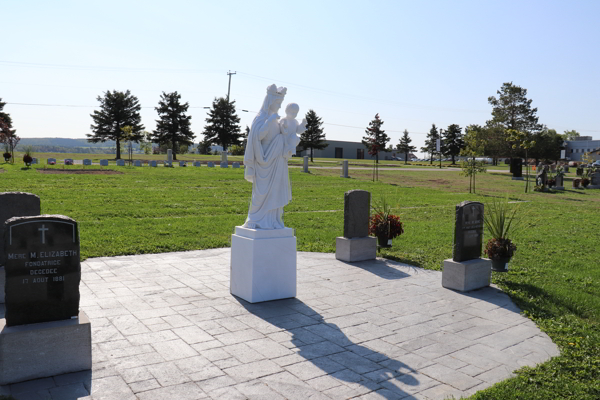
(413, 62)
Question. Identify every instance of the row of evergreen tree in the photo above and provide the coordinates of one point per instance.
(119, 110)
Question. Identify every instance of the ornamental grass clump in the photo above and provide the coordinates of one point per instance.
(501, 222)
(383, 223)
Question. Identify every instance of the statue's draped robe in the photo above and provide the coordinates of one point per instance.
(267, 169)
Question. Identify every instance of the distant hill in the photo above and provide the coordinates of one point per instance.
(66, 145)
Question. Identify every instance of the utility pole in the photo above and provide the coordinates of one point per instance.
(229, 86)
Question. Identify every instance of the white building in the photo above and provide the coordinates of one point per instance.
(581, 145)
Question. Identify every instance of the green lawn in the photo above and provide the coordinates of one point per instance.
(554, 276)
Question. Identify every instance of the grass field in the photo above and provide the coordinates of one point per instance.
(554, 276)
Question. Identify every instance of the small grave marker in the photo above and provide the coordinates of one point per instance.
(87, 161)
(51, 161)
(197, 163)
(104, 163)
(356, 245)
(210, 164)
(153, 163)
(344, 169)
(120, 163)
(137, 163)
(236, 164)
(183, 163)
(305, 166)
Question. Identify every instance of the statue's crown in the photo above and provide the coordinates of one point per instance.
(274, 90)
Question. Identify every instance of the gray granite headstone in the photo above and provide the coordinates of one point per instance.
(43, 269)
(170, 156)
(137, 163)
(210, 164)
(595, 179)
(357, 204)
(16, 204)
(87, 161)
(305, 164)
(69, 161)
(153, 163)
(468, 231)
(104, 163)
(197, 163)
(516, 167)
(559, 181)
(236, 165)
(224, 164)
(51, 160)
(34, 160)
(183, 163)
(120, 163)
(541, 177)
(344, 169)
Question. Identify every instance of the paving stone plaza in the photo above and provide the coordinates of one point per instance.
(165, 326)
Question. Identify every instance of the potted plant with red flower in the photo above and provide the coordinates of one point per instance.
(27, 159)
(384, 225)
(501, 222)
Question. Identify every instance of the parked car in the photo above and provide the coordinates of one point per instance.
(596, 163)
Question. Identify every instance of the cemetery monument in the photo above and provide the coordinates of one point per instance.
(467, 270)
(263, 250)
(44, 332)
(356, 244)
(14, 204)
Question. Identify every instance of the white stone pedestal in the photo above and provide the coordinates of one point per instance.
(263, 264)
(355, 249)
(467, 275)
(45, 349)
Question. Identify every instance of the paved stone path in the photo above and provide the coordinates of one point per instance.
(166, 327)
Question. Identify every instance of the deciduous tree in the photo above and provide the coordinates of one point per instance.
(174, 125)
(117, 110)
(313, 137)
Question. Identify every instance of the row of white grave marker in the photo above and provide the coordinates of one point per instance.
(138, 163)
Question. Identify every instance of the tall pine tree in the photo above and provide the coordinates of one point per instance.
(453, 142)
(376, 138)
(223, 124)
(7, 134)
(117, 110)
(430, 143)
(173, 126)
(404, 145)
(313, 137)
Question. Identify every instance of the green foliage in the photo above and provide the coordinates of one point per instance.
(452, 141)
(236, 150)
(314, 136)
(512, 110)
(117, 110)
(521, 139)
(376, 139)
(570, 135)
(547, 146)
(404, 145)
(174, 125)
(430, 142)
(222, 126)
(502, 220)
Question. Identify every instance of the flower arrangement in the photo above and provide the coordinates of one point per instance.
(501, 222)
(585, 182)
(384, 224)
(27, 159)
(7, 156)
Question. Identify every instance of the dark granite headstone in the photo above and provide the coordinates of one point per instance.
(516, 167)
(42, 269)
(468, 231)
(357, 204)
(16, 204)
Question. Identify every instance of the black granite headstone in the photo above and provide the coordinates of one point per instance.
(516, 167)
(468, 231)
(357, 204)
(16, 204)
(43, 269)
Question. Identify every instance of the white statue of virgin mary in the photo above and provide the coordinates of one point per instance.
(266, 165)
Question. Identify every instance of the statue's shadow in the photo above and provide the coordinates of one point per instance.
(327, 347)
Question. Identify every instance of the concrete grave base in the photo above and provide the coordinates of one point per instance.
(559, 188)
(467, 275)
(593, 187)
(355, 249)
(2, 283)
(518, 178)
(263, 264)
(41, 350)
